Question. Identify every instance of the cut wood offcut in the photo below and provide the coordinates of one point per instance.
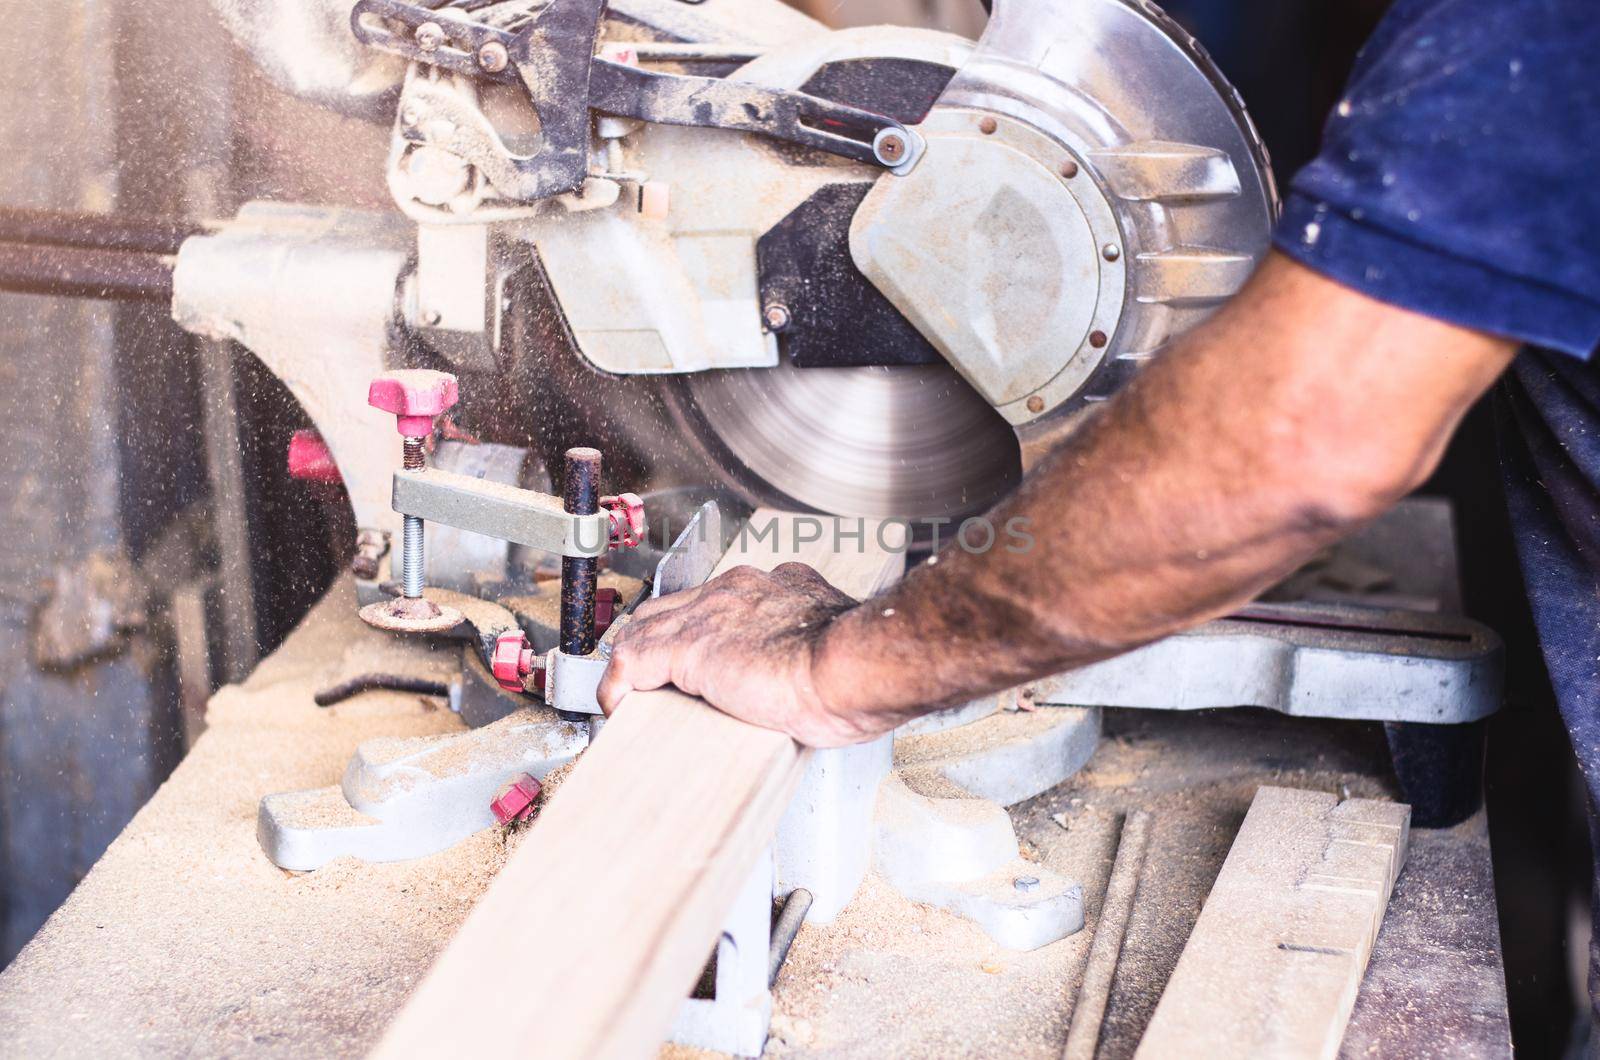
(1278, 953)
(598, 925)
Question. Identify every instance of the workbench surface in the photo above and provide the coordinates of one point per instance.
(185, 939)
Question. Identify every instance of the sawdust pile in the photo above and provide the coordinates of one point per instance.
(199, 944)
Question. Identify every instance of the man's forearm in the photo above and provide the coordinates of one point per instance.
(1252, 444)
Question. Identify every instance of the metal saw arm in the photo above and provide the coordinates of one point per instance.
(552, 57)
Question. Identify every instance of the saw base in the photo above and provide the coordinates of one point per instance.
(218, 951)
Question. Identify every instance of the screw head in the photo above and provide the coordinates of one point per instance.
(429, 36)
(1036, 404)
(1097, 339)
(891, 149)
(1111, 252)
(1069, 169)
(776, 316)
(493, 57)
(1026, 884)
(987, 126)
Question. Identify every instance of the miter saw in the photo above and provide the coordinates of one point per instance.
(865, 273)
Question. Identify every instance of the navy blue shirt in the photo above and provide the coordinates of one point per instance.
(1460, 177)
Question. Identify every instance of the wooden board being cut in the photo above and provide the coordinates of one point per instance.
(1278, 953)
(594, 932)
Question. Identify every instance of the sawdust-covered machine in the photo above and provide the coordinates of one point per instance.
(863, 274)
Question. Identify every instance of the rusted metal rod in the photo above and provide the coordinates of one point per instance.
(580, 575)
(1083, 1034)
(151, 235)
(76, 272)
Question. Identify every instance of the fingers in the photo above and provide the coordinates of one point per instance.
(635, 667)
(644, 654)
(670, 602)
(614, 687)
(797, 574)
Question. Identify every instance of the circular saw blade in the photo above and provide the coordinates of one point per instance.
(905, 442)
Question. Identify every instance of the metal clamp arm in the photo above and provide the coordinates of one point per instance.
(678, 99)
(553, 57)
(495, 509)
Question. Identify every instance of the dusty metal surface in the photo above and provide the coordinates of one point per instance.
(891, 978)
(184, 938)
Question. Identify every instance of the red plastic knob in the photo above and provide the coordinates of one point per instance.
(415, 396)
(627, 519)
(607, 602)
(511, 660)
(310, 459)
(516, 800)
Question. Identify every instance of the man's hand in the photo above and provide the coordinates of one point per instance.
(1293, 416)
(744, 642)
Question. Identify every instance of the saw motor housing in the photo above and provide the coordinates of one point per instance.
(868, 272)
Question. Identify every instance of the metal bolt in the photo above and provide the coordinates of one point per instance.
(776, 316)
(493, 57)
(1069, 169)
(987, 126)
(1111, 252)
(432, 317)
(891, 149)
(412, 561)
(1025, 884)
(1036, 404)
(1097, 339)
(415, 398)
(429, 36)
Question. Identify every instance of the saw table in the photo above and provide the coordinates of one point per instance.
(186, 939)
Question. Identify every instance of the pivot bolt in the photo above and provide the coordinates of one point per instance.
(429, 36)
(776, 316)
(1026, 884)
(493, 57)
(890, 149)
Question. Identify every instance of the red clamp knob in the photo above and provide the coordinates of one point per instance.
(627, 519)
(516, 800)
(310, 459)
(415, 396)
(511, 660)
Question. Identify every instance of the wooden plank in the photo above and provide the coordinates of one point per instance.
(594, 932)
(1278, 953)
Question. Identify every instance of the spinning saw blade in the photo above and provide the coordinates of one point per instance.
(909, 442)
(1155, 214)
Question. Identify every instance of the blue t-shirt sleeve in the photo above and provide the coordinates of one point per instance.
(1460, 174)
